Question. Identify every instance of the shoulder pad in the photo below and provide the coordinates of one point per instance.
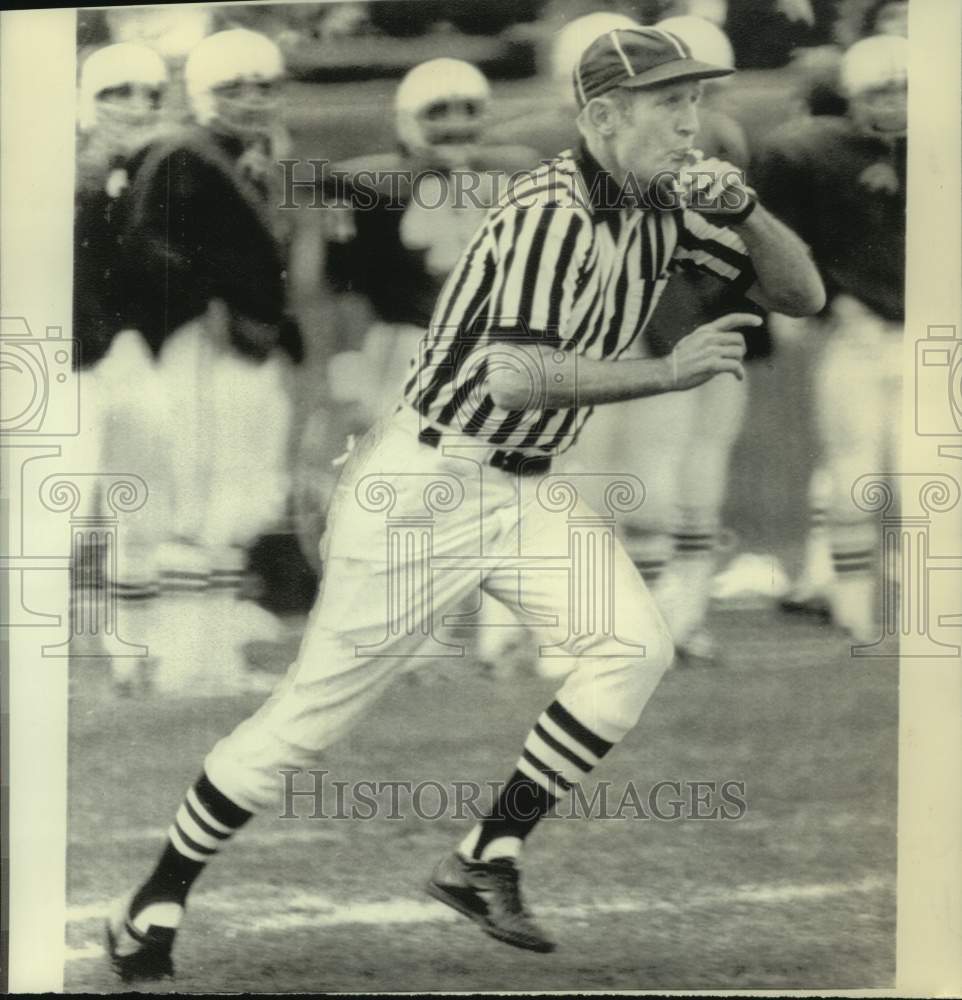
(808, 133)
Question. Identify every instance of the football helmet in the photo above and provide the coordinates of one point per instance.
(708, 43)
(440, 111)
(572, 40)
(874, 78)
(122, 87)
(231, 79)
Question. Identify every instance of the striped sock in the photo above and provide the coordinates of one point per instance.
(557, 754)
(650, 569)
(817, 571)
(694, 543)
(206, 820)
(846, 562)
(683, 593)
(649, 551)
(853, 591)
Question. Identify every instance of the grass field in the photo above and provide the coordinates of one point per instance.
(799, 893)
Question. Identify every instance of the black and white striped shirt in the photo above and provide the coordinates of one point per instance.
(554, 262)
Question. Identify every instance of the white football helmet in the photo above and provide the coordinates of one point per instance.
(715, 11)
(874, 77)
(230, 78)
(572, 40)
(121, 88)
(172, 29)
(708, 43)
(440, 111)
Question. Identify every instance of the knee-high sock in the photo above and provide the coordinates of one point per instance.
(206, 820)
(816, 575)
(559, 752)
(853, 590)
(684, 590)
(650, 551)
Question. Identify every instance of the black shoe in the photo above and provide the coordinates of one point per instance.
(812, 606)
(139, 955)
(489, 894)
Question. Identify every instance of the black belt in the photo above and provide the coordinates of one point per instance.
(513, 462)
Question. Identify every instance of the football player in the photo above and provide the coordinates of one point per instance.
(680, 445)
(121, 105)
(207, 274)
(213, 285)
(400, 220)
(396, 226)
(840, 182)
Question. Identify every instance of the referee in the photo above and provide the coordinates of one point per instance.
(560, 278)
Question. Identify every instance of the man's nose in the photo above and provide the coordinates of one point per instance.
(688, 122)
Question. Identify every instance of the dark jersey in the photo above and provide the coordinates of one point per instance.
(198, 230)
(844, 194)
(397, 234)
(101, 304)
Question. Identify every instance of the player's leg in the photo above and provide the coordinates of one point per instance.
(809, 594)
(185, 367)
(851, 421)
(135, 428)
(616, 669)
(652, 440)
(250, 478)
(353, 648)
(684, 589)
(891, 389)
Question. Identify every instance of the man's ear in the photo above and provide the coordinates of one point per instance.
(602, 114)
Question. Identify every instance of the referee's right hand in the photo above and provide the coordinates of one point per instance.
(710, 350)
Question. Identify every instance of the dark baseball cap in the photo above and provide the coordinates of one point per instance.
(636, 58)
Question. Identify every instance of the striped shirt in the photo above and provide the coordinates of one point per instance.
(554, 262)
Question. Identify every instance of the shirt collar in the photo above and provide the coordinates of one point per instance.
(608, 200)
(600, 188)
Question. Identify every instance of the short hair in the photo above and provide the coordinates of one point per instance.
(618, 96)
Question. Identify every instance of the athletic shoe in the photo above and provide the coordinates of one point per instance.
(810, 606)
(489, 894)
(141, 950)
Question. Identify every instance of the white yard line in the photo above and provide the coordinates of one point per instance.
(306, 831)
(314, 910)
(296, 833)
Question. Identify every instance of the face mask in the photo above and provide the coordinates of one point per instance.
(445, 135)
(247, 116)
(121, 129)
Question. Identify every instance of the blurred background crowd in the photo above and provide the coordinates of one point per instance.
(229, 347)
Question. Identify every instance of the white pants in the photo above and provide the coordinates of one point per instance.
(858, 394)
(206, 429)
(678, 443)
(227, 420)
(413, 531)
